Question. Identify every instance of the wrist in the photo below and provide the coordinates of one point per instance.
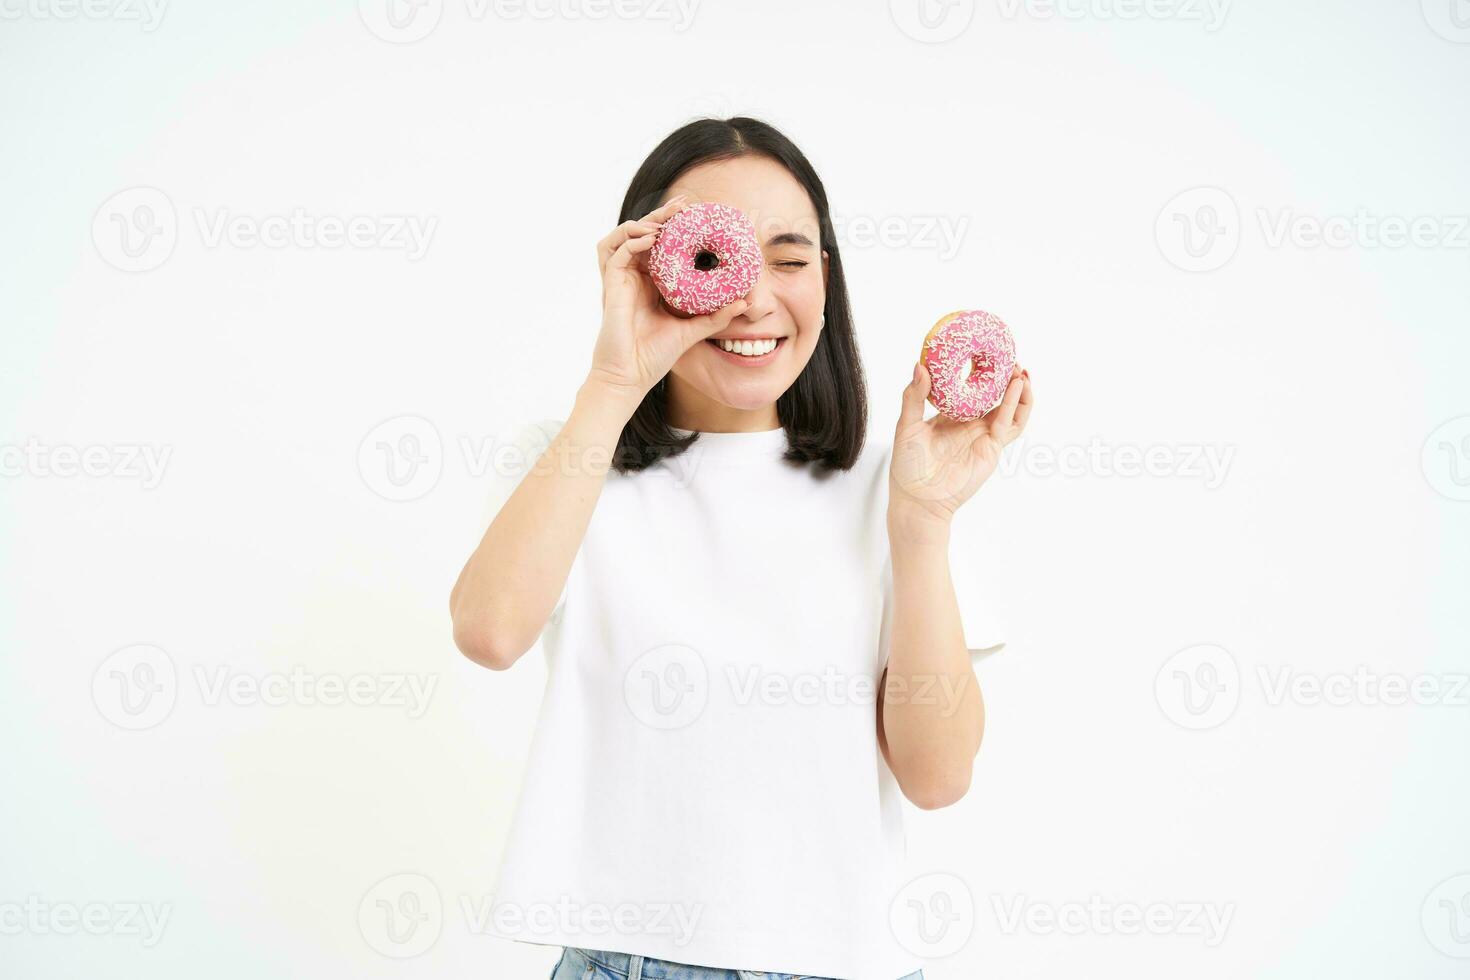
(608, 401)
(908, 523)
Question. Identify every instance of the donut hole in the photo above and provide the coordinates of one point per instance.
(977, 368)
(706, 261)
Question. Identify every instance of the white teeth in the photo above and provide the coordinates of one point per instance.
(748, 348)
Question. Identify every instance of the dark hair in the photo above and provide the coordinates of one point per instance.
(825, 410)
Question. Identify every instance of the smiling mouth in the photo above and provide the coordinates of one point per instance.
(752, 350)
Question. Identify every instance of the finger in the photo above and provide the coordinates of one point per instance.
(914, 394)
(1001, 417)
(609, 243)
(668, 209)
(628, 252)
(1023, 407)
(702, 327)
(650, 223)
(621, 234)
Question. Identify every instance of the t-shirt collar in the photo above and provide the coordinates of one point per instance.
(766, 444)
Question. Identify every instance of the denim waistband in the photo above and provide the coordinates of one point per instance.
(646, 968)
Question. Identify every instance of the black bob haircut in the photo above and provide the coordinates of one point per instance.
(825, 411)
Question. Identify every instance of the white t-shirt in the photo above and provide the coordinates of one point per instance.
(705, 784)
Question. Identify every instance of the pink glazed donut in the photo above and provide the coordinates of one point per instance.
(706, 257)
(969, 355)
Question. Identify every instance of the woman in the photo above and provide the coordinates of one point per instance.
(753, 641)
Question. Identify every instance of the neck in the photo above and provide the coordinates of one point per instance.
(687, 408)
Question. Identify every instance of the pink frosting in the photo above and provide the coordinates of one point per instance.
(720, 230)
(977, 338)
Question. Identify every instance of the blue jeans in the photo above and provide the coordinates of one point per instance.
(593, 964)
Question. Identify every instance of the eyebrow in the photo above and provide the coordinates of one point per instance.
(789, 238)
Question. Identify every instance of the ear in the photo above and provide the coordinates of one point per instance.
(824, 272)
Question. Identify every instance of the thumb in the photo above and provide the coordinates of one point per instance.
(702, 327)
(914, 395)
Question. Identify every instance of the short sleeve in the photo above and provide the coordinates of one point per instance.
(514, 454)
(984, 633)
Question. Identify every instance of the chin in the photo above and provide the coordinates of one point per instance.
(748, 398)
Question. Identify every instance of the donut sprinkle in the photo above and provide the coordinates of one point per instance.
(706, 257)
(969, 356)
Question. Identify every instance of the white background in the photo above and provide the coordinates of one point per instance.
(1053, 144)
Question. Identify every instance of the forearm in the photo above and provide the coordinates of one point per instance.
(507, 589)
(933, 715)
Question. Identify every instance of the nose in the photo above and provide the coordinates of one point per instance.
(761, 299)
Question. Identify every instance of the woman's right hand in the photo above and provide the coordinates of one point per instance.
(640, 338)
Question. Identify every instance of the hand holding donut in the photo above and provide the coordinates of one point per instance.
(939, 463)
(640, 338)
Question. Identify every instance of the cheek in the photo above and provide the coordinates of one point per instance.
(804, 296)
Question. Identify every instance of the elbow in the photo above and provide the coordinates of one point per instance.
(484, 646)
(939, 790)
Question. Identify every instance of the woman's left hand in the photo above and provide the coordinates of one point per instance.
(938, 464)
